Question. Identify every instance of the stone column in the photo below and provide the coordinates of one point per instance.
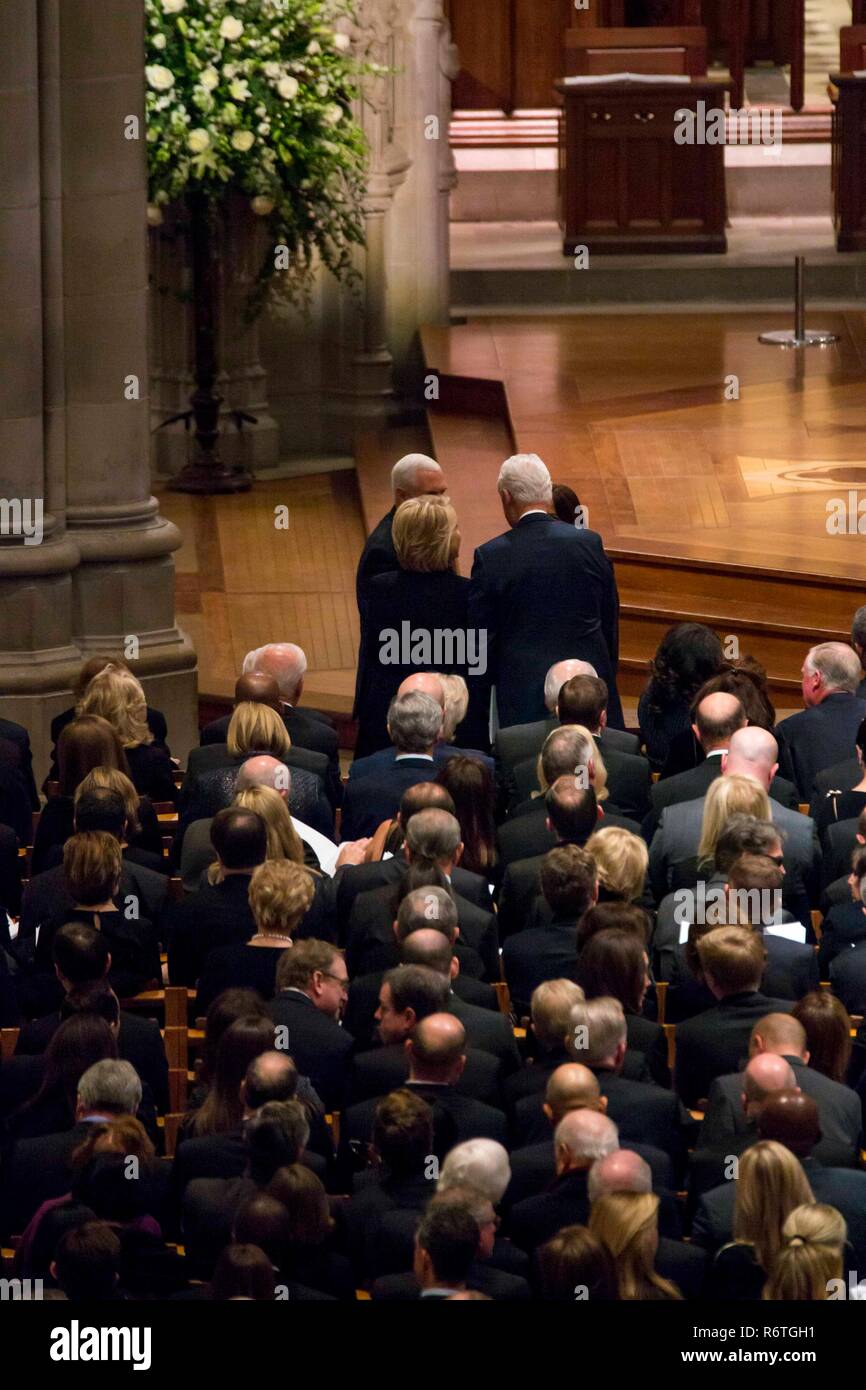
(124, 587)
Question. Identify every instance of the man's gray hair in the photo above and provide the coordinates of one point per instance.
(620, 1171)
(839, 665)
(111, 1084)
(414, 722)
(527, 479)
(858, 627)
(433, 834)
(427, 907)
(406, 470)
(565, 750)
(559, 673)
(481, 1163)
(586, 1134)
(598, 1027)
(285, 661)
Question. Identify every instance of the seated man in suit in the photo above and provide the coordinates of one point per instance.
(408, 995)
(709, 1164)
(572, 817)
(437, 687)
(436, 1053)
(730, 745)
(218, 914)
(446, 1244)
(82, 959)
(754, 892)
(521, 741)
(414, 726)
(312, 984)
(582, 1136)
(433, 844)
(824, 732)
(858, 642)
(583, 700)
(550, 1024)
(36, 1170)
(781, 1035)
(674, 848)
(488, 1031)
(713, 1044)
(569, 885)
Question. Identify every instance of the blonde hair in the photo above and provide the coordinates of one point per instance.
(582, 747)
(811, 1254)
(456, 693)
(115, 695)
(627, 1223)
(284, 842)
(279, 895)
(424, 531)
(111, 779)
(550, 1009)
(622, 860)
(771, 1184)
(256, 728)
(726, 797)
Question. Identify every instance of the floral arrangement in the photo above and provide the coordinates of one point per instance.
(255, 96)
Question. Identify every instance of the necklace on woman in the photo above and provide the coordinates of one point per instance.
(271, 936)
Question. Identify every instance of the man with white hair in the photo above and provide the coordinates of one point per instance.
(824, 732)
(482, 1163)
(581, 1137)
(540, 591)
(414, 727)
(414, 475)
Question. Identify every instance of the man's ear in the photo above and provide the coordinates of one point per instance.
(774, 771)
(454, 967)
(602, 1105)
(394, 926)
(52, 1270)
(548, 1111)
(458, 853)
(696, 732)
(459, 1066)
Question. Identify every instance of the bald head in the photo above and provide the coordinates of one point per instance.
(717, 718)
(571, 1087)
(414, 475)
(286, 662)
(581, 1137)
(754, 753)
(264, 771)
(779, 1033)
(436, 1049)
(427, 947)
(426, 683)
(258, 688)
(559, 673)
(792, 1119)
(765, 1075)
(621, 1171)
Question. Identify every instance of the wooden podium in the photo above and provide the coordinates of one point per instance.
(625, 184)
(849, 161)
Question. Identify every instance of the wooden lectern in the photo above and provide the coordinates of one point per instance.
(849, 161)
(626, 184)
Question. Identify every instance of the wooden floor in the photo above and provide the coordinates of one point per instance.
(712, 508)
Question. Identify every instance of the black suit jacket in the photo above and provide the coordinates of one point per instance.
(688, 786)
(526, 833)
(714, 1043)
(521, 741)
(816, 738)
(456, 1117)
(33, 1171)
(372, 1201)
(533, 1170)
(377, 557)
(217, 915)
(535, 1220)
(372, 945)
(628, 780)
(841, 777)
(369, 800)
(838, 1108)
(352, 879)
(17, 734)
(385, 1069)
(544, 591)
(139, 1042)
(482, 1276)
(321, 1049)
(536, 954)
(359, 1014)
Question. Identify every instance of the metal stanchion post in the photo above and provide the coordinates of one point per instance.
(801, 336)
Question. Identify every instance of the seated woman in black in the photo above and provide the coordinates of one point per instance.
(84, 744)
(117, 696)
(92, 866)
(614, 963)
(50, 1082)
(845, 805)
(280, 895)
(687, 655)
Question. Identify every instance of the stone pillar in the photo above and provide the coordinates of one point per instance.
(73, 374)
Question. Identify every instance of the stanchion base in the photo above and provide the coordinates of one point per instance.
(787, 338)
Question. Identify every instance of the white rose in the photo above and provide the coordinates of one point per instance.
(173, 6)
(342, 42)
(288, 87)
(231, 28)
(262, 206)
(272, 70)
(210, 78)
(158, 41)
(229, 69)
(239, 89)
(322, 88)
(264, 128)
(314, 47)
(333, 114)
(243, 140)
(158, 77)
(198, 140)
(154, 215)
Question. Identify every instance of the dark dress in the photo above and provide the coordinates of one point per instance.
(839, 806)
(152, 771)
(662, 720)
(428, 602)
(239, 967)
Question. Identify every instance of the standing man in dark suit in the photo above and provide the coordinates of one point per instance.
(825, 731)
(414, 475)
(414, 726)
(541, 591)
(312, 986)
(17, 734)
(714, 1043)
